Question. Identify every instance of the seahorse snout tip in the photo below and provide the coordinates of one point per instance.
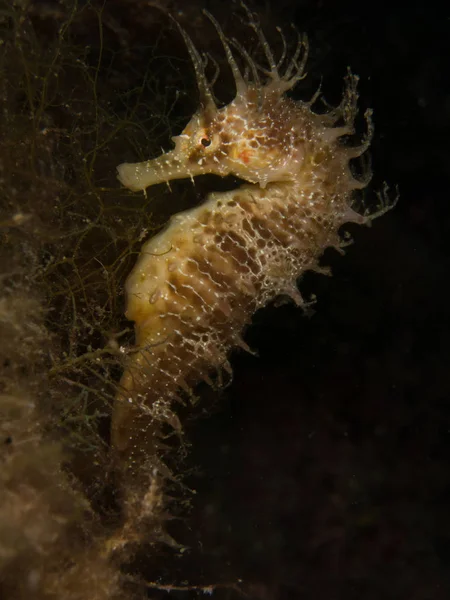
(127, 175)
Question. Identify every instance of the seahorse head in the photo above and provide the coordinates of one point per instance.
(255, 137)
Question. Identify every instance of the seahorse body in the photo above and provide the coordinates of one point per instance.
(197, 283)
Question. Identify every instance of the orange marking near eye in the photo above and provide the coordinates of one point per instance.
(245, 156)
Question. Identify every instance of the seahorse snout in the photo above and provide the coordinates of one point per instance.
(138, 176)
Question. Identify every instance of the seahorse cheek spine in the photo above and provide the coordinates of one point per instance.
(197, 283)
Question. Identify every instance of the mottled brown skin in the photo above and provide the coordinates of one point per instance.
(197, 284)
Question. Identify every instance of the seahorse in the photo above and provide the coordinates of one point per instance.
(197, 283)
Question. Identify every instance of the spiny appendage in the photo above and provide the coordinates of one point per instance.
(197, 284)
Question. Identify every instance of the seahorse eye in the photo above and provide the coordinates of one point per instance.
(205, 142)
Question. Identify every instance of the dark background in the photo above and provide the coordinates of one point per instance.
(322, 471)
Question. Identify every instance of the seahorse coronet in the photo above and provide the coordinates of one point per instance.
(197, 283)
